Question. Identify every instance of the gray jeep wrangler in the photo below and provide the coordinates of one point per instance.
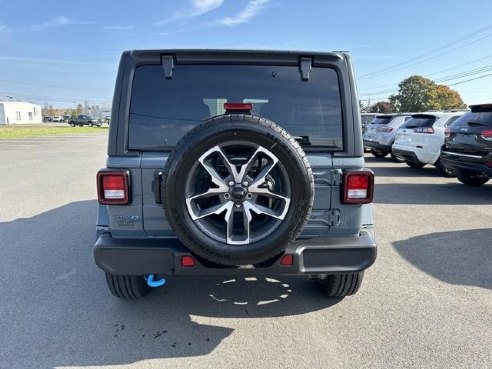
(234, 163)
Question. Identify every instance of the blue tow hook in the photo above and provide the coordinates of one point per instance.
(155, 283)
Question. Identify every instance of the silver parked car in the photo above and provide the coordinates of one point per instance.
(381, 134)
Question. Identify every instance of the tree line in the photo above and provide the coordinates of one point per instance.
(417, 94)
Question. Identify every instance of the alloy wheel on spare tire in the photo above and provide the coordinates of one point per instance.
(237, 189)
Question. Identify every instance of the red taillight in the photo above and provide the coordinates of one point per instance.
(287, 260)
(486, 134)
(424, 130)
(238, 106)
(112, 187)
(187, 261)
(447, 132)
(385, 129)
(358, 187)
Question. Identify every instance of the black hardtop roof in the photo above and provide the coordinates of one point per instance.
(335, 54)
(481, 108)
(214, 56)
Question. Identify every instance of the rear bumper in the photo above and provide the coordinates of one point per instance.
(407, 155)
(415, 154)
(377, 146)
(163, 256)
(454, 162)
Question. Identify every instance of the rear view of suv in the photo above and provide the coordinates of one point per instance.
(468, 146)
(381, 134)
(234, 163)
(420, 139)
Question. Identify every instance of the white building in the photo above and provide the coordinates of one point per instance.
(100, 113)
(20, 112)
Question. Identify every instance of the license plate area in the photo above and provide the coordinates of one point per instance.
(403, 137)
(469, 139)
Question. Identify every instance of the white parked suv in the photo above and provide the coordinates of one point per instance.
(381, 133)
(57, 119)
(420, 139)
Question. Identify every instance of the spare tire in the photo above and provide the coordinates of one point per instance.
(237, 190)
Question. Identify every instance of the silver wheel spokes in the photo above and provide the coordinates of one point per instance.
(239, 193)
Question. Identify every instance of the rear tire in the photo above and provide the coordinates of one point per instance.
(414, 165)
(341, 285)
(471, 178)
(127, 287)
(378, 154)
(443, 170)
(397, 159)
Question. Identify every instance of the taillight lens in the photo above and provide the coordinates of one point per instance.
(112, 187)
(385, 129)
(358, 187)
(447, 132)
(424, 130)
(486, 135)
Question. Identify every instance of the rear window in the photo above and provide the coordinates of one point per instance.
(163, 110)
(471, 118)
(420, 121)
(381, 120)
(451, 120)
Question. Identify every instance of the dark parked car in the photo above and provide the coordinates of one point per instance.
(468, 146)
(234, 163)
(84, 120)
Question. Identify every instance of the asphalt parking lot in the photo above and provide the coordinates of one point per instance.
(426, 303)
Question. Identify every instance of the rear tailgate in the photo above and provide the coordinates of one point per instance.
(372, 128)
(472, 133)
(328, 217)
(155, 223)
(410, 134)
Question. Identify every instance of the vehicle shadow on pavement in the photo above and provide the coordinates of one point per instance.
(459, 257)
(56, 311)
(432, 194)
